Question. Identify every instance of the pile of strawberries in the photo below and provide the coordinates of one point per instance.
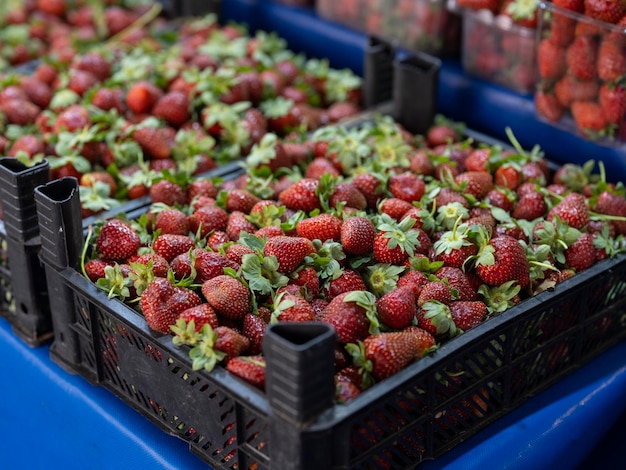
(160, 100)
(582, 66)
(400, 242)
(499, 41)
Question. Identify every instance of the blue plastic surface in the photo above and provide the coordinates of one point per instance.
(49, 417)
(482, 106)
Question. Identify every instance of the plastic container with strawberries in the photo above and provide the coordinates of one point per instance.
(581, 63)
(418, 25)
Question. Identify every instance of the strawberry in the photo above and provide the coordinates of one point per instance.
(407, 186)
(530, 206)
(94, 268)
(142, 96)
(581, 254)
(454, 246)
(609, 11)
(81, 82)
(156, 143)
(168, 193)
(611, 60)
(301, 195)
(240, 200)
(228, 296)
(551, 59)
(589, 118)
(348, 280)
(476, 183)
(395, 207)
(30, 144)
(347, 195)
(250, 369)
(459, 280)
(357, 235)
(289, 251)
(201, 315)
(117, 240)
(20, 111)
(230, 342)
(253, 328)
(172, 221)
(169, 246)
(322, 227)
(173, 107)
(37, 92)
(548, 106)
(370, 186)
(413, 279)
(159, 265)
(209, 264)
(609, 203)
(508, 176)
(491, 5)
(435, 317)
(238, 223)
(397, 309)
(581, 56)
(572, 209)
(426, 341)
(94, 63)
(503, 259)
(161, 303)
(384, 354)
(612, 99)
(208, 219)
(434, 290)
(569, 89)
(421, 164)
(351, 314)
(468, 314)
(308, 279)
(395, 242)
(292, 308)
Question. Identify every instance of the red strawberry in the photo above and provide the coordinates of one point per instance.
(201, 315)
(117, 240)
(37, 92)
(94, 268)
(385, 354)
(319, 167)
(436, 318)
(156, 143)
(292, 308)
(289, 251)
(581, 57)
(30, 144)
(348, 195)
(459, 280)
(172, 221)
(569, 89)
(413, 279)
(20, 112)
(508, 176)
(611, 60)
(350, 313)
(173, 108)
(370, 186)
(349, 280)
(253, 328)
(237, 223)
(572, 210)
(476, 183)
(589, 117)
(228, 296)
(434, 290)
(530, 206)
(230, 342)
(142, 96)
(169, 246)
(251, 369)
(161, 303)
(301, 195)
(612, 204)
(240, 200)
(160, 266)
(548, 106)
(357, 235)
(612, 99)
(395, 242)
(94, 63)
(168, 193)
(322, 227)
(407, 186)
(208, 219)
(581, 254)
(609, 11)
(551, 59)
(427, 342)
(503, 259)
(397, 309)
(468, 314)
(308, 279)
(395, 208)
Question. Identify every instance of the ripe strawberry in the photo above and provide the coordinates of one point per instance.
(159, 265)
(454, 246)
(609, 203)
(459, 280)
(413, 279)
(37, 92)
(209, 264)
(570, 89)
(611, 60)
(81, 82)
(208, 219)
(548, 106)
(468, 314)
(94, 268)
(253, 328)
(435, 317)
(94, 63)
(357, 235)
(397, 309)
(348, 195)
(201, 315)
(370, 186)
(168, 193)
(319, 167)
(581, 254)
(551, 59)
(435, 290)
(117, 240)
(508, 176)
(161, 303)
(289, 307)
(169, 246)
(156, 143)
(349, 280)
(250, 369)
(476, 183)
(407, 186)
(609, 11)
(395, 242)
(589, 117)
(530, 206)
(572, 209)
(491, 5)
(322, 227)
(308, 279)
(238, 223)
(289, 251)
(173, 108)
(420, 163)
(240, 200)
(581, 56)
(20, 111)
(612, 99)
(142, 96)
(172, 221)
(301, 195)
(230, 342)
(384, 354)
(228, 296)
(350, 314)
(217, 240)
(503, 259)
(395, 208)
(30, 144)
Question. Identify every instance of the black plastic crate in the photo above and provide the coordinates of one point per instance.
(183, 8)
(417, 414)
